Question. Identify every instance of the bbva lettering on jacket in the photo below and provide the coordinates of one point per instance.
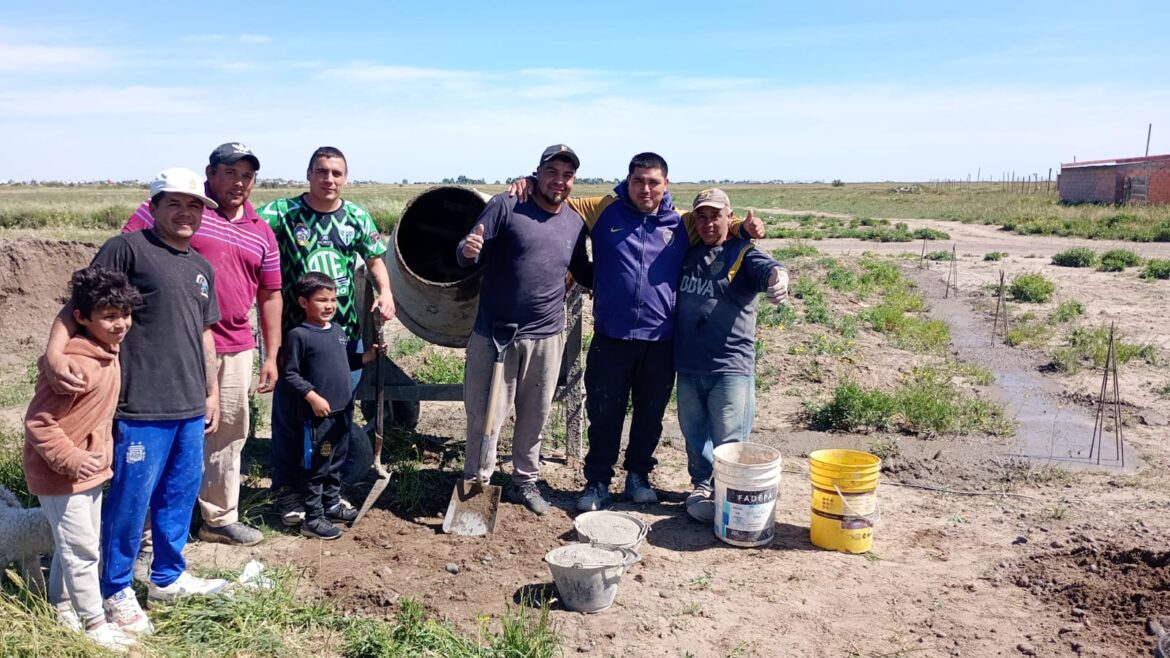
(697, 286)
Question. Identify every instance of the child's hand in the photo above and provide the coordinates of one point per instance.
(374, 352)
(319, 404)
(90, 467)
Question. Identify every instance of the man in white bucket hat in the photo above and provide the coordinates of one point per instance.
(169, 398)
(714, 339)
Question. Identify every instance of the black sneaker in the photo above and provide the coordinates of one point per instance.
(289, 507)
(528, 495)
(320, 529)
(341, 513)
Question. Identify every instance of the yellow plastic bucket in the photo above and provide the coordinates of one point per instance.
(844, 499)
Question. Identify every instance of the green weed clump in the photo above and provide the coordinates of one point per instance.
(1156, 269)
(854, 408)
(1075, 257)
(794, 249)
(992, 256)
(804, 287)
(1116, 260)
(1090, 346)
(927, 403)
(1067, 311)
(1029, 331)
(404, 347)
(940, 255)
(440, 368)
(923, 335)
(1033, 288)
(775, 315)
(931, 234)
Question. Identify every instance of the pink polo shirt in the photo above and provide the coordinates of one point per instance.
(245, 257)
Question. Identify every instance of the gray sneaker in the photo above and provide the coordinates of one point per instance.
(236, 534)
(638, 489)
(700, 505)
(142, 566)
(528, 495)
(594, 497)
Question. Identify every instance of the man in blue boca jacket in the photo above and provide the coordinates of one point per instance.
(639, 242)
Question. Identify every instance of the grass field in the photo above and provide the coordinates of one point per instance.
(64, 210)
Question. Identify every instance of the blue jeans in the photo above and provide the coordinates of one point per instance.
(713, 410)
(158, 464)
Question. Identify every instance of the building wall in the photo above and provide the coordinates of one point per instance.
(1159, 173)
(1090, 185)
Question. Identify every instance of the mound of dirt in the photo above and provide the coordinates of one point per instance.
(1114, 592)
(34, 281)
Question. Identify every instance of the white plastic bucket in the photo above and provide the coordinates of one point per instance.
(747, 482)
(587, 576)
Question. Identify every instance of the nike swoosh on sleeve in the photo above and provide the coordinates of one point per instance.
(614, 229)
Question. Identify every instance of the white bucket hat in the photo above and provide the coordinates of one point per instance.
(181, 181)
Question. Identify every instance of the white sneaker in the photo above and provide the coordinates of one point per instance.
(111, 637)
(184, 585)
(67, 617)
(123, 610)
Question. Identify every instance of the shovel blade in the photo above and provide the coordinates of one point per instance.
(375, 492)
(472, 510)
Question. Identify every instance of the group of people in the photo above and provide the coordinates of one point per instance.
(146, 376)
(673, 292)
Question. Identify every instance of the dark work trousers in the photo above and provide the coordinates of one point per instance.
(326, 442)
(615, 369)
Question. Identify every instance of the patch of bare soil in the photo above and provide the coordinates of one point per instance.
(1113, 595)
(34, 282)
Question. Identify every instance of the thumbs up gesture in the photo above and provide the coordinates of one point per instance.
(753, 226)
(473, 243)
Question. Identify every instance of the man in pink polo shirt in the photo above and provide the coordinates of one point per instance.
(242, 249)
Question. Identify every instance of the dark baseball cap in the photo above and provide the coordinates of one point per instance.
(560, 151)
(233, 152)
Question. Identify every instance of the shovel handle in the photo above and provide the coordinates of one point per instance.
(490, 414)
(380, 395)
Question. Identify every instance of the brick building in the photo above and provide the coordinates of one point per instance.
(1122, 180)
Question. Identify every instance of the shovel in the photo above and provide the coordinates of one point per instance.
(474, 503)
(379, 421)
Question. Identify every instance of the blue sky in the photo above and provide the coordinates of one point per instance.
(741, 90)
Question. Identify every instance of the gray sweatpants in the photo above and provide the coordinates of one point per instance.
(76, 521)
(530, 374)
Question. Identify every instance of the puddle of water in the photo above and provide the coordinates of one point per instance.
(1050, 429)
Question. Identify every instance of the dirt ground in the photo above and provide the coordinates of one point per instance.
(1011, 558)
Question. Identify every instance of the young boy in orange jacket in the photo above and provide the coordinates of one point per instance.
(68, 449)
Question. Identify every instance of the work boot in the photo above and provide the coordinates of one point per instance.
(638, 489)
(235, 534)
(700, 505)
(123, 609)
(320, 529)
(289, 507)
(185, 585)
(594, 497)
(528, 495)
(342, 512)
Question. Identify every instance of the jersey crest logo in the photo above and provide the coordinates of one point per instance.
(301, 234)
(326, 449)
(203, 285)
(716, 267)
(668, 236)
(346, 233)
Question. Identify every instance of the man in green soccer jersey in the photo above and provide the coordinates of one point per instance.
(319, 232)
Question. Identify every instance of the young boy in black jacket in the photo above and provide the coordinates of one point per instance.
(317, 364)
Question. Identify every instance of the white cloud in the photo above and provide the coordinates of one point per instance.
(90, 101)
(36, 58)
